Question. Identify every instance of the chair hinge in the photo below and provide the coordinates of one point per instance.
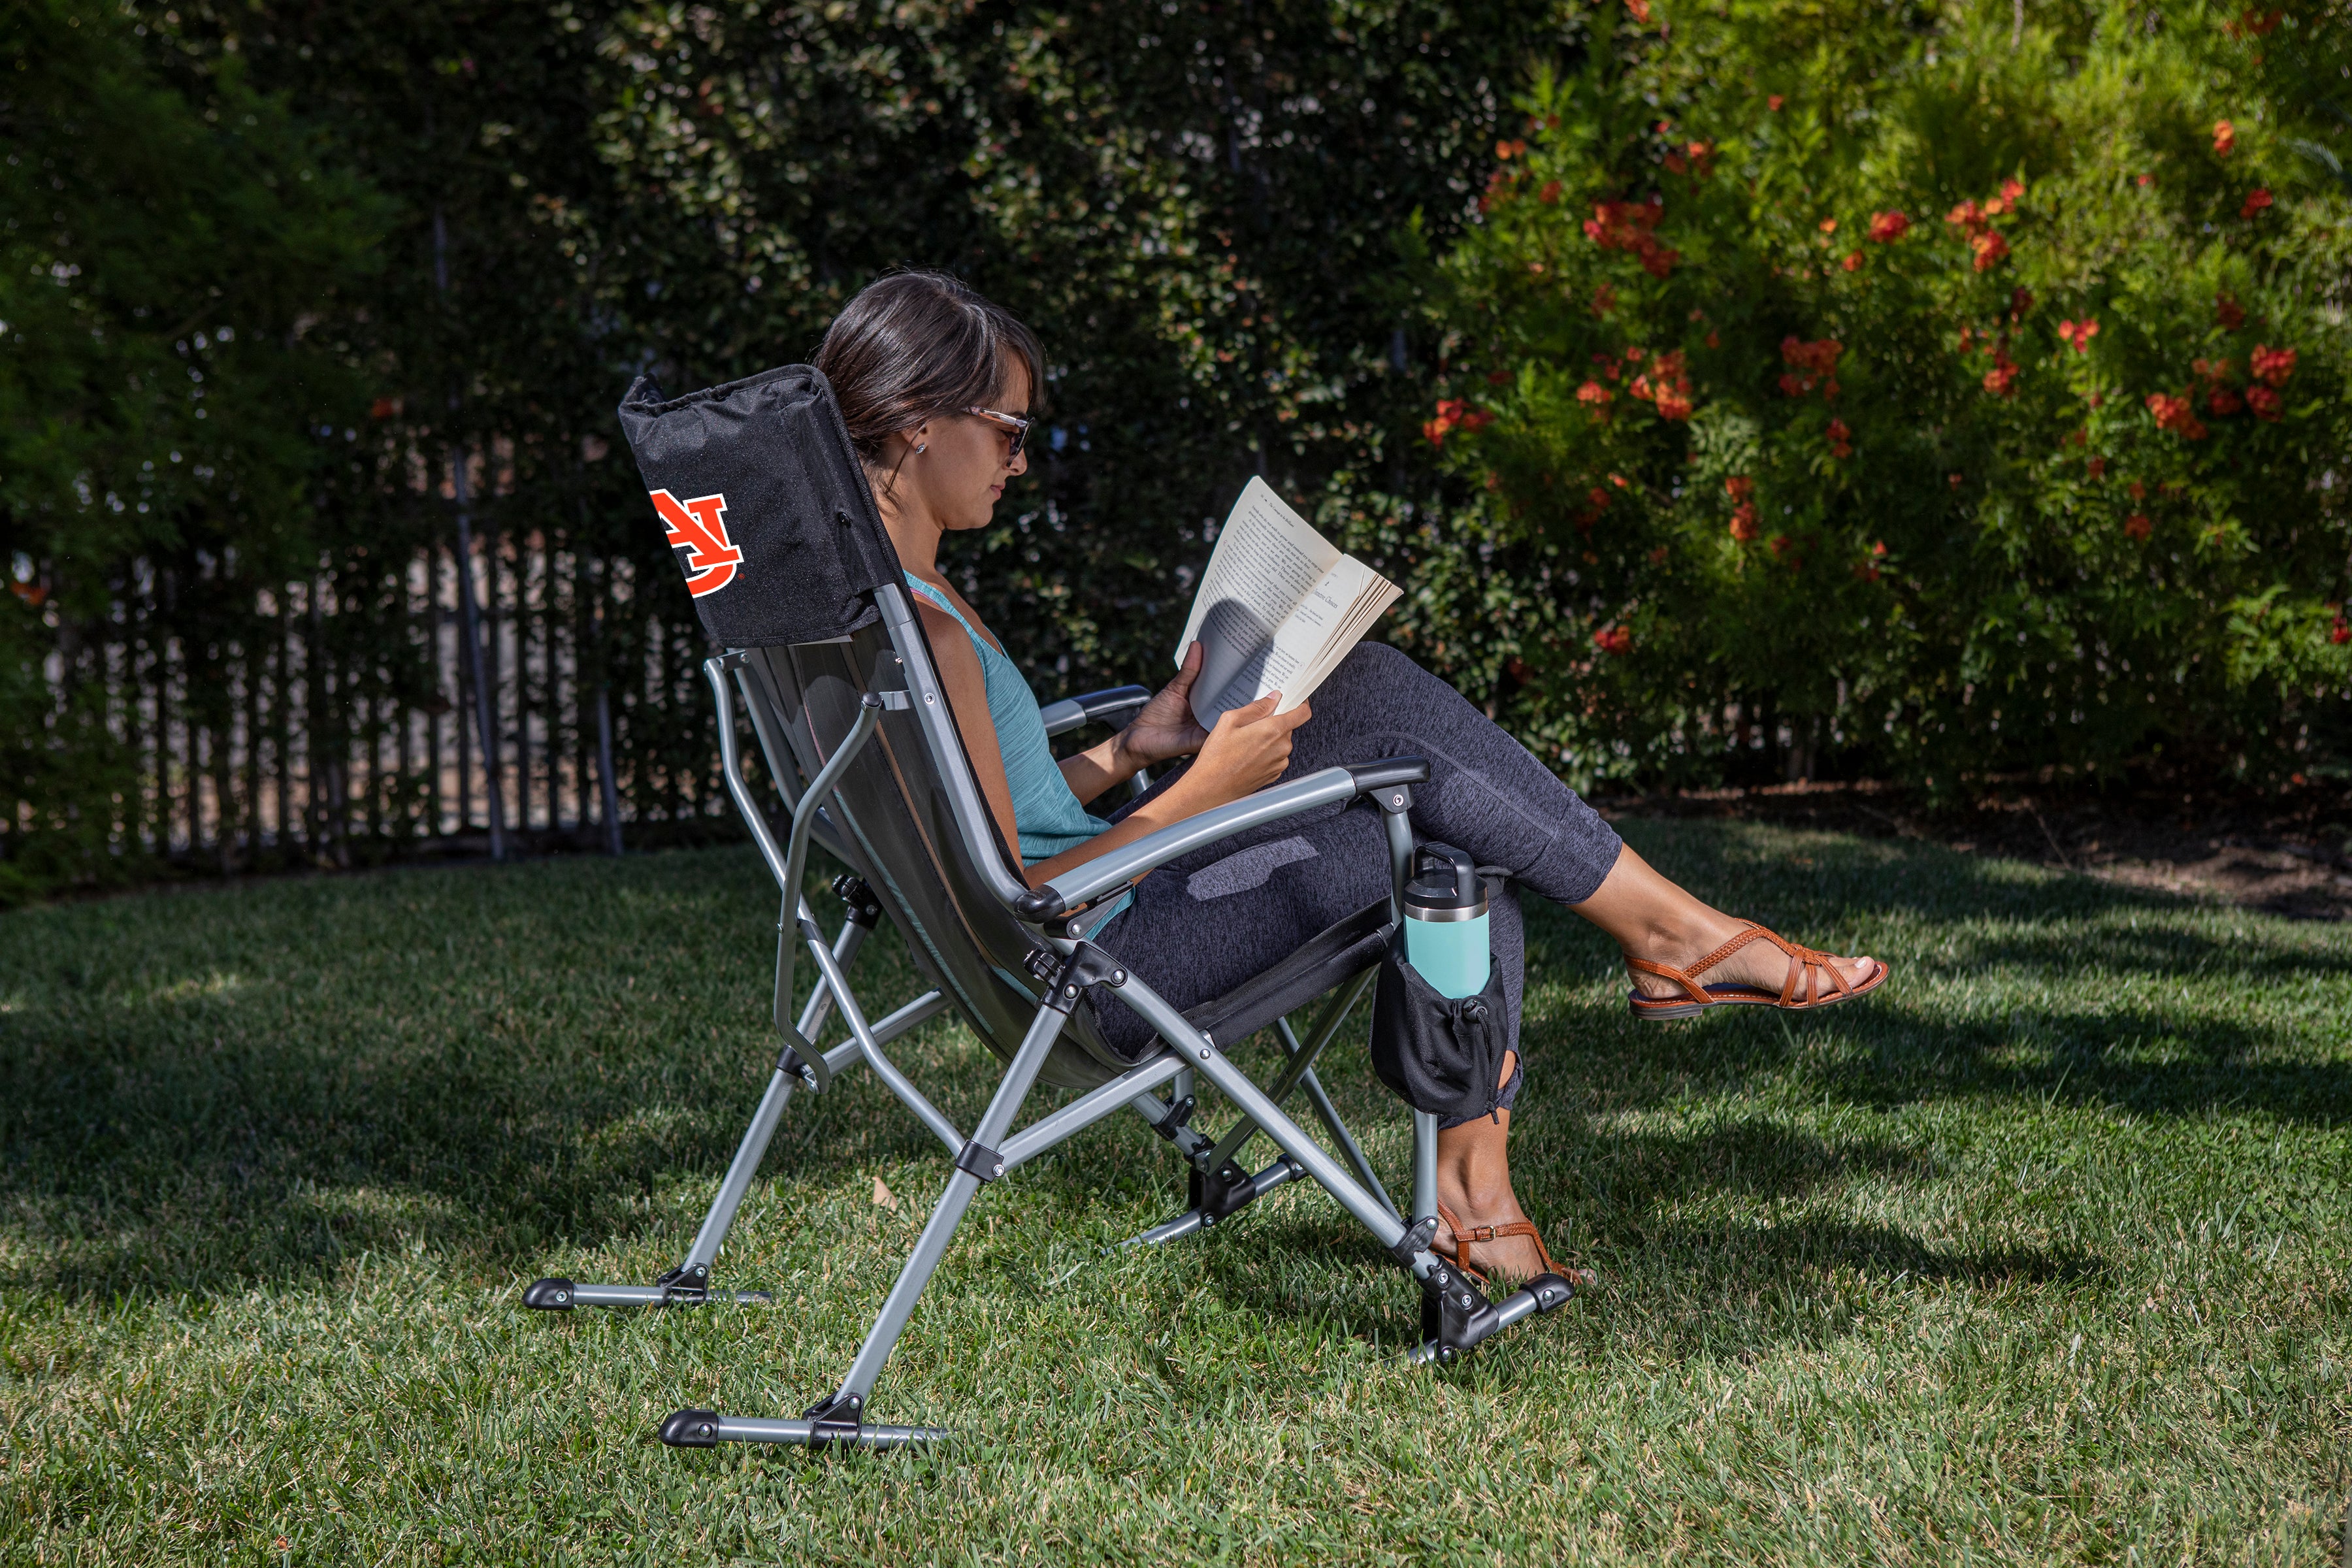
(865, 908)
(835, 1419)
(1087, 965)
(1169, 1125)
(979, 1160)
(1415, 1240)
(813, 1075)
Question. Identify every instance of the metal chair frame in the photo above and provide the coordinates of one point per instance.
(827, 789)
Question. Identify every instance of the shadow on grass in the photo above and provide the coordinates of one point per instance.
(258, 1084)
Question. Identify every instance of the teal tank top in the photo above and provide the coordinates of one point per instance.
(1048, 815)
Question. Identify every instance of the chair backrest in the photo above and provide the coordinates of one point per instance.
(792, 568)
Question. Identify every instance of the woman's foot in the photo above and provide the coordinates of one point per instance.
(1515, 1257)
(1760, 964)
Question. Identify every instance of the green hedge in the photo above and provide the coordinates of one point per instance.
(1936, 390)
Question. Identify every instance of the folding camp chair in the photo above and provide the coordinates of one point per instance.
(856, 734)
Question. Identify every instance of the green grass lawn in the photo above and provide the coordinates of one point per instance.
(2042, 1254)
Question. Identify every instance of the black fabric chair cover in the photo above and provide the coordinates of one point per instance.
(765, 503)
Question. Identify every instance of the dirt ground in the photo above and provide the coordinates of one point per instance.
(2290, 855)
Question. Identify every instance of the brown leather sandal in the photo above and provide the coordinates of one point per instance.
(1583, 1278)
(1803, 989)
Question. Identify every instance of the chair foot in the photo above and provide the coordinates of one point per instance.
(1456, 1316)
(1219, 1196)
(707, 1429)
(554, 1295)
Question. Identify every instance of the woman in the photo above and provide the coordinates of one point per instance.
(934, 383)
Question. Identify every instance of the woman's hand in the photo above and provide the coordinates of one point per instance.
(1246, 752)
(1164, 726)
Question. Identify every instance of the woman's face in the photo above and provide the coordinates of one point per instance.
(962, 468)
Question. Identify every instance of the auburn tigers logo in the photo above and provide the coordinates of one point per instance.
(699, 528)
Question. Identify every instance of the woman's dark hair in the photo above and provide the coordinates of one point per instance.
(915, 345)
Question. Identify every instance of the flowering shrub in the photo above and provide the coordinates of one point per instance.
(1767, 461)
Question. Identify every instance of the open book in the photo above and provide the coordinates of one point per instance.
(1277, 610)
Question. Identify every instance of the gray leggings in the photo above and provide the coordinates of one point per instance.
(1202, 925)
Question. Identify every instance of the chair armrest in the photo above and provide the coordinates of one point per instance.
(1071, 712)
(1085, 883)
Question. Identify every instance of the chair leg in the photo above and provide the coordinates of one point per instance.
(840, 1417)
(688, 1283)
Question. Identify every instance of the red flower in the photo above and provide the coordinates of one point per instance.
(2273, 365)
(1990, 248)
(1839, 439)
(1626, 225)
(2176, 414)
(1550, 194)
(1785, 548)
(1598, 498)
(2225, 138)
(2224, 403)
(1853, 263)
(2001, 379)
(1774, 103)
(2079, 333)
(1453, 414)
(2098, 467)
(2138, 491)
(2138, 526)
(1595, 396)
(2229, 313)
(2010, 190)
(1743, 522)
(2342, 631)
(2256, 200)
(1615, 640)
(1641, 10)
(1889, 226)
(2145, 180)
(1604, 300)
(2265, 403)
(1828, 226)
(1958, 479)
(382, 408)
(1739, 486)
(1967, 214)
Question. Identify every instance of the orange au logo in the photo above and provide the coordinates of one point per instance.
(699, 527)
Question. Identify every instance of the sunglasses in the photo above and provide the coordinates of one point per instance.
(1015, 428)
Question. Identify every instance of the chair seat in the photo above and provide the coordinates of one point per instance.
(1334, 957)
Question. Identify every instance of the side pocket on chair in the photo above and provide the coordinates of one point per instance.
(1437, 1054)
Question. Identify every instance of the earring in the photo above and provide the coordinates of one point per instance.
(921, 447)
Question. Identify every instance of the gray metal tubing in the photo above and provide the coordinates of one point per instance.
(1302, 1061)
(759, 699)
(1284, 1168)
(740, 1172)
(1071, 713)
(1400, 830)
(1515, 1307)
(820, 1003)
(1348, 1148)
(736, 1430)
(1425, 1164)
(994, 1123)
(869, 717)
(1154, 1110)
(922, 1010)
(1130, 861)
(730, 764)
(655, 1296)
(754, 1146)
(871, 1048)
(1287, 1136)
(1087, 1109)
(929, 708)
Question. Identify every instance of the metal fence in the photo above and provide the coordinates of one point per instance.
(334, 719)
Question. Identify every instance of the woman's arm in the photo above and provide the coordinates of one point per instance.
(1163, 729)
(966, 694)
(1246, 752)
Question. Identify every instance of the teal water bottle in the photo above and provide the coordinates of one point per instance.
(1445, 921)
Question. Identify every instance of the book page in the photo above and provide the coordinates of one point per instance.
(1268, 560)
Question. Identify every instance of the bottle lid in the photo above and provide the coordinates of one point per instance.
(1445, 886)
